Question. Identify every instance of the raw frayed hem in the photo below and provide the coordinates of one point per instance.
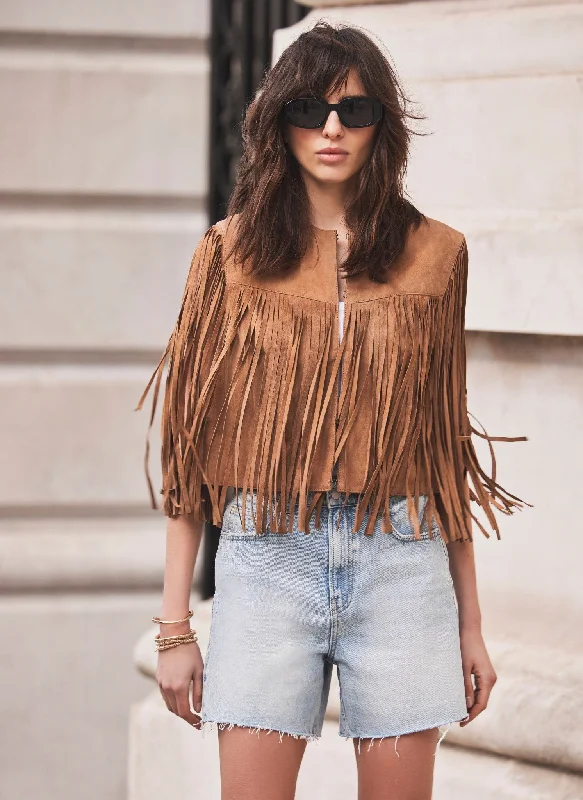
(212, 725)
(379, 739)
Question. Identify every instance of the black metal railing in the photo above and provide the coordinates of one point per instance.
(240, 51)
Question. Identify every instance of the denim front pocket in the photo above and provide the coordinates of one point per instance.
(232, 527)
(402, 524)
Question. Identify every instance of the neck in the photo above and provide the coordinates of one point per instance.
(328, 202)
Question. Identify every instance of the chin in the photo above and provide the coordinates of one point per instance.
(331, 175)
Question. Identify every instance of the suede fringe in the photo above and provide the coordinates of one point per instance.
(421, 426)
(195, 340)
(406, 352)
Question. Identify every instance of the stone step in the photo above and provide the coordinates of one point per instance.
(168, 758)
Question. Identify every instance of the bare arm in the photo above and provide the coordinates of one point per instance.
(181, 666)
(475, 659)
(183, 537)
(463, 572)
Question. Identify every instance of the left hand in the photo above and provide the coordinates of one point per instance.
(476, 662)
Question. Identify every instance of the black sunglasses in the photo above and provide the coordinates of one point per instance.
(354, 112)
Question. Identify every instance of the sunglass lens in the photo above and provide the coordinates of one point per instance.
(356, 112)
(306, 112)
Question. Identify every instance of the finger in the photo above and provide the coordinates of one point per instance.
(197, 691)
(183, 706)
(167, 704)
(469, 687)
(172, 704)
(481, 695)
(477, 708)
(165, 697)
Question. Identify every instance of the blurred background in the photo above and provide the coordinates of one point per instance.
(119, 140)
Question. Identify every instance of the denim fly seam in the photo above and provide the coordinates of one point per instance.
(288, 607)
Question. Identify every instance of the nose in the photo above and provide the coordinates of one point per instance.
(332, 126)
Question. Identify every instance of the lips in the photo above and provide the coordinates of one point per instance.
(331, 155)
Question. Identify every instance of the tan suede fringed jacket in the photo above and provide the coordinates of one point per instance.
(252, 396)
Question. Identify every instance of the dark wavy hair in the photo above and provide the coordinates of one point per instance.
(274, 226)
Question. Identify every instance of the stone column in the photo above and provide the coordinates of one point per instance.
(102, 197)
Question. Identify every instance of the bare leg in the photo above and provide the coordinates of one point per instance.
(256, 765)
(406, 774)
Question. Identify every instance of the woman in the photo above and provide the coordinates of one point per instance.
(315, 409)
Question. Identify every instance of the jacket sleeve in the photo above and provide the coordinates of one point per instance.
(458, 478)
(186, 357)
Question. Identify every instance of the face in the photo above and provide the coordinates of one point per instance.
(355, 143)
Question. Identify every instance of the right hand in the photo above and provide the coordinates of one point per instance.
(177, 669)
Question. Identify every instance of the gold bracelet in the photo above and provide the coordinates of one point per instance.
(167, 642)
(177, 638)
(172, 621)
(170, 646)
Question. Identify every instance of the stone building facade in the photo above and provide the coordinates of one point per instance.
(103, 180)
(103, 153)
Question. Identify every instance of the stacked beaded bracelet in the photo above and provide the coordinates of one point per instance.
(167, 642)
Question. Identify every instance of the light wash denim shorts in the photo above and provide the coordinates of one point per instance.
(289, 606)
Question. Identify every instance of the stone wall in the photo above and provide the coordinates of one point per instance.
(103, 177)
